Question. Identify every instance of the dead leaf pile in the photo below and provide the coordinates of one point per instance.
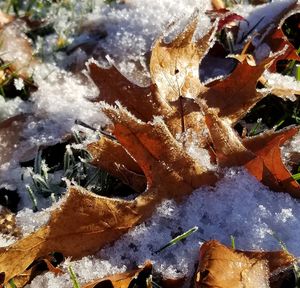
(153, 127)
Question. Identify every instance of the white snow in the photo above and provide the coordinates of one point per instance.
(282, 82)
(6, 240)
(132, 28)
(61, 99)
(261, 18)
(30, 221)
(11, 107)
(19, 83)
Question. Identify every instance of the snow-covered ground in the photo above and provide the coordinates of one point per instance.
(238, 206)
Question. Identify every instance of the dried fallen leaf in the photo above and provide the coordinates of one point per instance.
(8, 224)
(268, 167)
(137, 278)
(110, 156)
(114, 87)
(10, 133)
(36, 268)
(224, 267)
(260, 155)
(5, 19)
(278, 40)
(235, 95)
(174, 72)
(18, 53)
(228, 148)
(170, 173)
(174, 66)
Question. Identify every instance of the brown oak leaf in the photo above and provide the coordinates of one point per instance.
(38, 267)
(260, 155)
(110, 155)
(18, 53)
(268, 167)
(220, 266)
(86, 222)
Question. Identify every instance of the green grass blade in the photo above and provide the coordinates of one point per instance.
(73, 277)
(232, 242)
(178, 238)
(12, 283)
(296, 176)
(297, 72)
(32, 198)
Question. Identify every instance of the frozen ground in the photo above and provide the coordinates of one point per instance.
(237, 206)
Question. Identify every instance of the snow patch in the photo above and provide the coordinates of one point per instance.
(238, 205)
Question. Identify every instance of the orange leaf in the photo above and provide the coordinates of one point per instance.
(147, 140)
(116, 87)
(110, 156)
(260, 155)
(278, 42)
(235, 95)
(268, 167)
(36, 268)
(170, 172)
(228, 147)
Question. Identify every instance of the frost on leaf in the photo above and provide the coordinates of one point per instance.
(85, 222)
(260, 155)
(220, 266)
(18, 53)
(268, 167)
(188, 108)
(174, 66)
